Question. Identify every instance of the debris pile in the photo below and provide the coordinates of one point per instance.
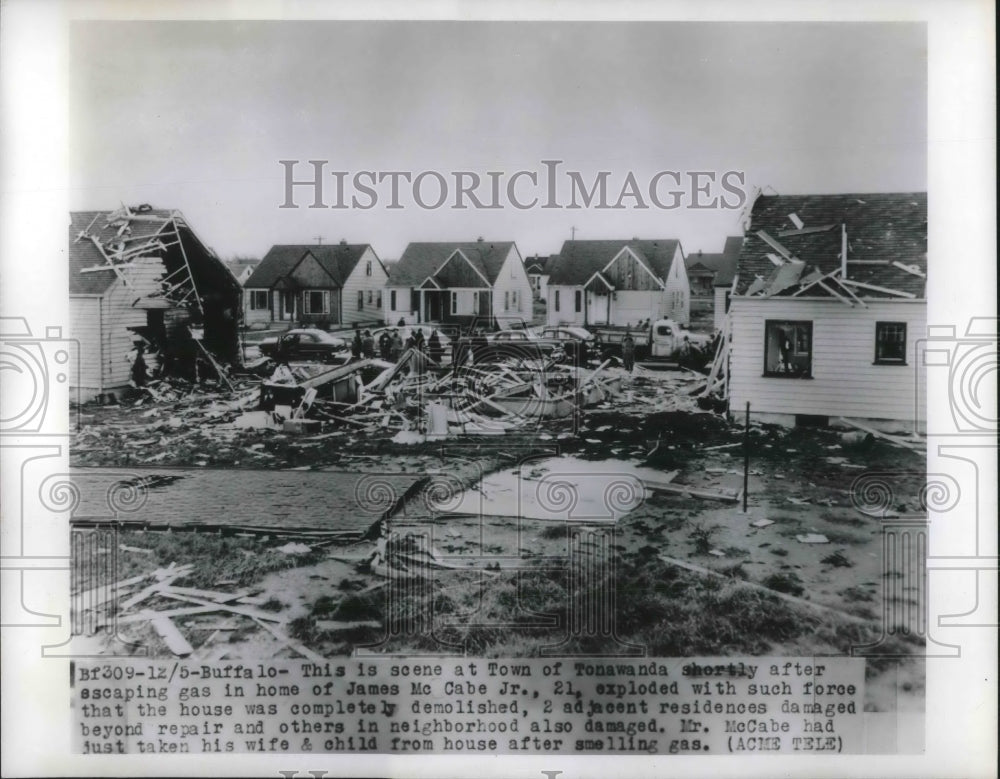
(157, 599)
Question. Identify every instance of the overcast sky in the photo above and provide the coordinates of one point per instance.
(196, 115)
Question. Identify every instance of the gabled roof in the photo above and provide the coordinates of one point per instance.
(579, 260)
(338, 260)
(84, 254)
(239, 264)
(538, 264)
(722, 265)
(882, 229)
(421, 260)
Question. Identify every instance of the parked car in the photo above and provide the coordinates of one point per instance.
(307, 344)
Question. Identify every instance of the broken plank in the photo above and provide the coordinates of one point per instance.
(245, 611)
(213, 595)
(173, 638)
(333, 626)
(695, 492)
(292, 643)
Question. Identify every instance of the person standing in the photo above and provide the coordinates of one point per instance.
(384, 342)
(356, 345)
(395, 347)
(434, 348)
(368, 345)
(628, 351)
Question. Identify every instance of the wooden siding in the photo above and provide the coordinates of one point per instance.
(512, 277)
(627, 273)
(567, 313)
(119, 313)
(844, 382)
(719, 307)
(85, 327)
(402, 309)
(629, 308)
(677, 293)
(374, 284)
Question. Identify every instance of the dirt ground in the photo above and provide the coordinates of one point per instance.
(499, 584)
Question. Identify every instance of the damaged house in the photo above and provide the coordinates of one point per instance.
(829, 309)
(319, 285)
(618, 283)
(456, 283)
(142, 273)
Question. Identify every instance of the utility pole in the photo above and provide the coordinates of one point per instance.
(319, 240)
(572, 232)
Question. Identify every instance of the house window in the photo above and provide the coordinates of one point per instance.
(890, 343)
(454, 302)
(506, 300)
(557, 300)
(729, 299)
(371, 296)
(579, 301)
(258, 300)
(378, 299)
(368, 268)
(392, 300)
(513, 299)
(788, 348)
(315, 301)
(361, 300)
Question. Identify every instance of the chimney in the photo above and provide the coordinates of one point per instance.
(479, 239)
(343, 242)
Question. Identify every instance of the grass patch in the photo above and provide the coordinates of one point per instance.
(784, 582)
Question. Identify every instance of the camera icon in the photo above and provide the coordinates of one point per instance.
(32, 368)
(971, 361)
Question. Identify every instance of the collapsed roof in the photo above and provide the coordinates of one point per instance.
(796, 243)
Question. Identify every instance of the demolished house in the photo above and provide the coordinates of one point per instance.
(141, 276)
(828, 311)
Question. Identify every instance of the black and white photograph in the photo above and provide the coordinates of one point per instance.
(399, 358)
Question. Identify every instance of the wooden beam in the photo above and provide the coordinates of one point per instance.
(874, 288)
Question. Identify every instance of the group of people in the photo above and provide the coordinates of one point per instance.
(391, 344)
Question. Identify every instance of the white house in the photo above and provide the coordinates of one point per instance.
(538, 275)
(325, 285)
(829, 310)
(142, 273)
(457, 283)
(618, 283)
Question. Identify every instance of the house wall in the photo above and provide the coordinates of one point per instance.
(118, 314)
(512, 278)
(372, 287)
(257, 316)
(85, 327)
(719, 307)
(566, 314)
(844, 380)
(629, 307)
(402, 309)
(677, 291)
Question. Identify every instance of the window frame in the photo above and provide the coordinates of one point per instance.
(880, 326)
(556, 300)
(253, 300)
(578, 301)
(796, 323)
(307, 301)
(361, 300)
(392, 300)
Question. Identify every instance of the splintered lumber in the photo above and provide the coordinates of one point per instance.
(245, 611)
(218, 368)
(913, 446)
(98, 595)
(168, 631)
(333, 626)
(761, 588)
(291, 643)
(218, 597)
